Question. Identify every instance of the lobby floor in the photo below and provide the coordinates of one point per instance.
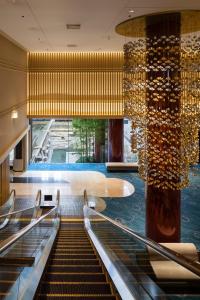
(123, 193)
(71, 185)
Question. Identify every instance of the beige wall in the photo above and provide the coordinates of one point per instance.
(4, 181)
(13, 86)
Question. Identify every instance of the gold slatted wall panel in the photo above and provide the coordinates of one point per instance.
(75, 84)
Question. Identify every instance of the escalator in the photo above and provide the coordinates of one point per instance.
(74, 270)
(91, 258)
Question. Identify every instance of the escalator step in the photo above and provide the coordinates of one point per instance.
(71, 297)
(75, 269)
(72, 251)
(73, 246)
(95, 277)
(71, 262)
(74, 256)
(5, 287)
(67, 242)
(75, 288)
(9, 275)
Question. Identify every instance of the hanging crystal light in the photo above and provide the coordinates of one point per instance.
(157, 70)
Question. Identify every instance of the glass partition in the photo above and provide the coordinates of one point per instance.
(13, 223)
(22, 264)
(146, 273)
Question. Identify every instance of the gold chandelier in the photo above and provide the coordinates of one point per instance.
(162, 98)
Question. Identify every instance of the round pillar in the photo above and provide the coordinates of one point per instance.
(115, 140)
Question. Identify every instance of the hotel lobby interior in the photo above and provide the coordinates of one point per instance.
(99, 149)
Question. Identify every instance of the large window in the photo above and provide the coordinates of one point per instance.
(69, 140)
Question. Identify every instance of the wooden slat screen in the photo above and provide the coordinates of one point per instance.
(75, 84)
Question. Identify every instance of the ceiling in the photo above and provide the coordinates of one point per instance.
(40, 25)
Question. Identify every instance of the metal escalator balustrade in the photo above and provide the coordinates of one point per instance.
(127, 256)
(25, 254)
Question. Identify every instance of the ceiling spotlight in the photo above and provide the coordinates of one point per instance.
(131, 11)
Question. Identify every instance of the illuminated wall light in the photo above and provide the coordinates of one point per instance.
(75, 84)
(14, 114)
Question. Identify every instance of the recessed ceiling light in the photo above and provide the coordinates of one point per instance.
(73, 26)
(72, 45)
(14, 114)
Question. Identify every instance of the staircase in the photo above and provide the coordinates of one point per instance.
(74, 270)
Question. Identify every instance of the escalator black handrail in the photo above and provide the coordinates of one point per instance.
(180, 259)
(25, 209)
(15, 237)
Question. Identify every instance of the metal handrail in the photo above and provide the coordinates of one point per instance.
(15, 237)
(16, 212)
(180, 259)
(22, 210)
(12, 205)
(14, 196)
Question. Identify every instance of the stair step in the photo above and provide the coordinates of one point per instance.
(75, 288)
(75, 269)
(99, 277)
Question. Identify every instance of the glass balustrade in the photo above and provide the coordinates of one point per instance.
(143, 271)
(22, 263)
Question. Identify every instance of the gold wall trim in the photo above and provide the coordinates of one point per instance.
(75, 84)
(10, 109)
(12, 66)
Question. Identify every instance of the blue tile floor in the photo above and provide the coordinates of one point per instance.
(131, 210)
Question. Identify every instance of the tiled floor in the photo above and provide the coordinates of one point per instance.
(70, 183)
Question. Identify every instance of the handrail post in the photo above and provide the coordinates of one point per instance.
(37, 205)
(85, 199)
